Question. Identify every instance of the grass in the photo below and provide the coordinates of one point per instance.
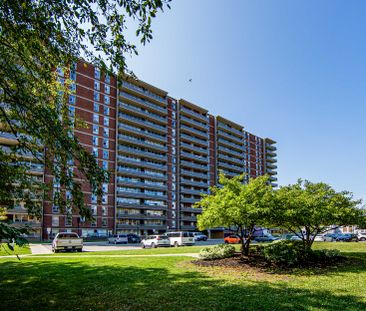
(5, 251)
(173, 283)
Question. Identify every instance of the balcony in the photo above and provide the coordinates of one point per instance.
(193, 174)
(231, 145)
(271, 166)
(194, 183)
(189, 200)
(194, 114)
(140, 216)
(141, 195)
(230, 159)
(271, 153)
(142, 113)
(270, 147)
(141, 226)
(231, 129)
(189, 121)
(140, 185)
(273, 178)
(192, 191)
(271, 159)
(141, 153)
(271, 172)
(191, 209)
(231, 167)
(137, 131)
(144, 92)
(161, 167)
(143, 102)
(193, 131)
(188, 218)
(127, 172)
(202, 142)
(234, 139)
(193, 156)
(194, 165)
(141, 122)
(231, 152)
(142, 143)
(142, 206)
(184, 145)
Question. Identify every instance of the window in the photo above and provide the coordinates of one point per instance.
(94, 210)
(94, 198)
(73, 75)
(105, 154)
(105, 132)
(97, 73)
(105, 188)
(104, 211)
(105, 165)
(95, 129)
(73, 87)
(105, 143)
(55, 209)
(107, 89)
(68, 221)
(60, 71)
(95, 152)
(104, 222)
(95, 118)
(106, 99)
(106, 111)
(55, 221)
(97, 85)
(107, 78)
(106, 121)
(96, 107)
(96, 96)
(72, 112)
(95, 141)
(105, 199)
(72, 99)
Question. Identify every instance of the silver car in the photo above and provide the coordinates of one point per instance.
(154, 241)
(118, 238)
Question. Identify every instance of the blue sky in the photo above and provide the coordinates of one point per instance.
(291, 70)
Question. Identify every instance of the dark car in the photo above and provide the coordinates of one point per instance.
(133, 238)
(347, 237)
(264, 238)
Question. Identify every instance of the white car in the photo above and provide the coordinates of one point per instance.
(199, 236)
(324, 238)
(67, 241)
(361, 236)
(118, 238)
(295, 238)
(154, 241)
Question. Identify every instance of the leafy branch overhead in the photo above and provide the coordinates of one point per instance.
(36, 37)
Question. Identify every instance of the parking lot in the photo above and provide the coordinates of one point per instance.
(104, 246)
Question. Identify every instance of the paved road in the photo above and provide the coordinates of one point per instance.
(41, 249)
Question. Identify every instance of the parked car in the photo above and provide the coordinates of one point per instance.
(199, 236)
(181, 238)
(264, 238)
(154, 241)
(329, 237)
(118, 238)
(294, 238)
(361, 236)
(346, 237)
(232, 239)
(67, 241)
(133, 238)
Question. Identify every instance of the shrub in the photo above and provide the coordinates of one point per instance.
(324, 254)
(284, 252)
(217, 252)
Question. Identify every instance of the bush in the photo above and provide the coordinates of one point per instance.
(284, 252)
(217, 252)
(324, 254)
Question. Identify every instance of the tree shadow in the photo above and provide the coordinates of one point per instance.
(149, 284)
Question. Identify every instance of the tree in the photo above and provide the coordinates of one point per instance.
(307, 209)
(238, 205)
(36, 37)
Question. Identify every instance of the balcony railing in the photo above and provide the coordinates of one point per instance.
(231, 151)
(141, 153)
(194, 183)
(194, 174)
(193, 156)
(143, 91)
(192, 130)
(143, 101)
(235, 139)
(194, 165)
(142, 112)
(194, 139)
(132, 129)
(142, 122)
(194, 148)
(203, 126)
(231, 129)
(193, 113)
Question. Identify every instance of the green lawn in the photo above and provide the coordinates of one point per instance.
(5, 251)
(173, 283)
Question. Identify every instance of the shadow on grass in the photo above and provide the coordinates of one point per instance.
(149, 284)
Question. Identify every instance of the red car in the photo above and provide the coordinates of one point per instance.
(232, 239)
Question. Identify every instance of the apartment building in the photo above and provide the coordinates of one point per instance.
(163, 154)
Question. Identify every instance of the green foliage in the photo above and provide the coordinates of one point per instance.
(238, 205)
(307, 209)
(284, 252)
(37, 37)
(219, 251)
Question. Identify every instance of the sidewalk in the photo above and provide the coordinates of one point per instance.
(40, 249)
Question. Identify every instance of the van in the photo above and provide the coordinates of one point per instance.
(118, 238)
(181, 238)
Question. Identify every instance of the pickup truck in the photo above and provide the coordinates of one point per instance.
(67, 241)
